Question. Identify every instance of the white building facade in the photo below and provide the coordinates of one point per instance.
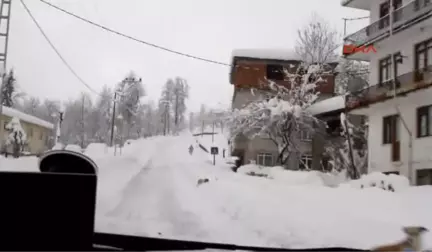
(400, 129)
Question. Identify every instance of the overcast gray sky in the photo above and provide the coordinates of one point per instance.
(206, 28)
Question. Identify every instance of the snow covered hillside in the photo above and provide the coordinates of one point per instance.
(151, 190)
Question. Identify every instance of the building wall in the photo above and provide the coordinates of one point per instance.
(37, 136)
(404, 42)
(375, 4)
(252, 74)
(380, 154)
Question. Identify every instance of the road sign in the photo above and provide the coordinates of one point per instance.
(214, 150)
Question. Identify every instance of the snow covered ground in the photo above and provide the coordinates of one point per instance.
(151, 190)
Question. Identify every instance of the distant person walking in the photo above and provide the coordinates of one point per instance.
(191, 149)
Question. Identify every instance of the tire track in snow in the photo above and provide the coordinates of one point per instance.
(149, 205)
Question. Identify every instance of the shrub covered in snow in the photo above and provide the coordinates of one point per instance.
(73, 147)
(17, 137)
(58, 146)
(96, 150)
(380, 180)
(290, 177)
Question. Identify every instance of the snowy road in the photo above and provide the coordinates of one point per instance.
(162, 199)
(151, 190)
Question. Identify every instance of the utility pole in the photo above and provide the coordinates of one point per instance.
(113, 118)
(394, 84)
(59, 124)
(5, 14)
(213, 132)
(82, 124)
(345, 26)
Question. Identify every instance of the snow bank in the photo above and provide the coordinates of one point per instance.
(26, 117)
(389, 182)
(19, 164)
(58, 146)
(73, 147)
(94, 150)
(151, 190)
(275, 54)
(289, 177)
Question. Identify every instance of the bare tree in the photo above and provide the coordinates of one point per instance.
(317, 42)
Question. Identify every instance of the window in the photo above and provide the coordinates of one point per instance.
(385, 67)
(305, 162)
(41, 135)
(384, 70)
(423, 55)
(424, 177)
(30, 132)
(275, 72)
(424, 121)
(390, 129)
(384, 15)
(305, 135)
(265, 159)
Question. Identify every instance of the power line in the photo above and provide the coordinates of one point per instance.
(133, 38)
(136, 39)
(117, 33)
(61, 57)
(55, 49)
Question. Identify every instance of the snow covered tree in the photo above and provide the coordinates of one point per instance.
(75, 126)
(130, 90)
(9, 89)
(165, 105)
(151, 120)
(180, 94)
(282, 111)
(317, 42)
(50, 110)
(100, 124)
(352, 76)
(31, 105)
(350, 154)
(17, 137)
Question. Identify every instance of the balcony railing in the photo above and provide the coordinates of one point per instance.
(403, 16)
(380, 92)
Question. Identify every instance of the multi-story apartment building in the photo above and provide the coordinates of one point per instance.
(250, 70)
(399, 112)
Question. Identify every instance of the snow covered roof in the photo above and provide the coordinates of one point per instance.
(328, 105)
(270, 54)
(26, 117)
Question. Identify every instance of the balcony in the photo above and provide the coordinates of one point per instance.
(407, 15)
(357, 4)
(405, 83)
